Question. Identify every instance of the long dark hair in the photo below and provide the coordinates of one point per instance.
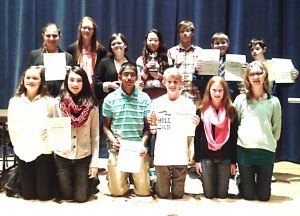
(86, 96)
(162, 57)
(43, 91)
(44, 48)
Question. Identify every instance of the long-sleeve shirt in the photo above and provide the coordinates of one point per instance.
(228, 150)
(84, 139)
(185, 61)
(259, 122)
(26, 122)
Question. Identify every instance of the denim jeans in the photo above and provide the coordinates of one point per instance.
(170, 176)
(73, 178)
(215, 177)
(256, 182)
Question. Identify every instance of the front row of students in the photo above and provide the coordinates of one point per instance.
(244, 132)
(27, 118)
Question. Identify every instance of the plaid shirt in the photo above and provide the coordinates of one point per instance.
(185, 60)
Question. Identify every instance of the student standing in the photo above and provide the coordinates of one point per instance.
(215, 139)
(218, 41)
(173, 151)
(257, 49)
(80, 162)
(87, 51)
(51, 34)
(259, 119)
(185, 57)
(152, 64)
(28, 111)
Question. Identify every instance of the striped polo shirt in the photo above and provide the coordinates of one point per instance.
(127, 113)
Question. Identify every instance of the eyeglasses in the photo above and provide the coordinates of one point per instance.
(116, 43)
(216, 90)
(259, 74)
(87, 28)
(54, 36)
(127, 74)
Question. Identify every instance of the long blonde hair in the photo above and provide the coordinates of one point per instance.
(246, 87)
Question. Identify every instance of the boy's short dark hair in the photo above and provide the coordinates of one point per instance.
(128, 65)
(186, 24)
(219, 36)
(256, 41)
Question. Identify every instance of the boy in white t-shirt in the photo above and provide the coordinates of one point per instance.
(173, 151)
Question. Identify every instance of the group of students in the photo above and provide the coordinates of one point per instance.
(118, 94)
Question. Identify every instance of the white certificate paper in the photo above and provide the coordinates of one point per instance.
(282, 69)
(269, 66)
(59, 133)
(129, 159)
(210, 58)
(177, 121)
(233, 67)
(184, 119)
(55, 66)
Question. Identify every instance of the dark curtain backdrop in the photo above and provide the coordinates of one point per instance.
(276, 21)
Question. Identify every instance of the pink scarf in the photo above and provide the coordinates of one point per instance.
(79, 114)
(222, 127)
(87, 64)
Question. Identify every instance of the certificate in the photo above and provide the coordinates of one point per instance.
(55, 66)
(184, 119)
(282, 69)
(129, 159)
(269, 66)
(210, 58)
(233, 67)
(177, 121)
(59, 133)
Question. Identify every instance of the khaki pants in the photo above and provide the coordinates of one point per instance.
(118, 182)
(170, 181)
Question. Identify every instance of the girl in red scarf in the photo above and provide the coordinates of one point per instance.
(215, 139)
(80, 162)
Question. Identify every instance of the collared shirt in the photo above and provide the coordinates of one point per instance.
(26, 122)
(127, 113)
(185, 60)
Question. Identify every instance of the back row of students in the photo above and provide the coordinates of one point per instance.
(77, 101)
(87, 53)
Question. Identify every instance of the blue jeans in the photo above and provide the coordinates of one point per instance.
(73, 178)
(256, 182)
(215, 177)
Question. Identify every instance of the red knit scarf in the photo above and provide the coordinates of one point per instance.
(79, 114)
(222, 127)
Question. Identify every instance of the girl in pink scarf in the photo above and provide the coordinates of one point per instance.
(215, 139)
